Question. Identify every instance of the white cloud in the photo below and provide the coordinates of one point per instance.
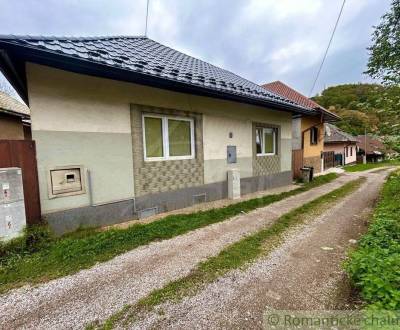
(285, 59)
(261, 40)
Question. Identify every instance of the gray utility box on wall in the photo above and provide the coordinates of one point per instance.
(12, 205)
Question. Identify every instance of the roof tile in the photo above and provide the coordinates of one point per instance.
(143, 55)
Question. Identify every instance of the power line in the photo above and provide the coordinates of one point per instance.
(327, 48)
(147, 17)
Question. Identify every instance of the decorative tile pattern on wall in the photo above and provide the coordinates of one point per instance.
(168, 175)
(265, 165)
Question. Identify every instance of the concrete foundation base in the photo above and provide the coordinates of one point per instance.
(93, 216)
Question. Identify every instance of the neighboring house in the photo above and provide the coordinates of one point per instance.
(341, 143)
(126, 127)
(376, 150)
(307, 130)
(14, 119)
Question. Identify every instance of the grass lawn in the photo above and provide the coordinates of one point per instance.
(374, 267)
(37, 258)
(368, 166)
(234, 256)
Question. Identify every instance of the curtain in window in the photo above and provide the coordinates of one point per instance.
(268, 141)
(179, 137)
(153, 137)
(259, 140)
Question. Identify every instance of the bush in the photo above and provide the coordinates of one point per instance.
(375, 266)
(35, 238)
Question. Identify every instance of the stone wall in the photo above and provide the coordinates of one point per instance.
(314, 162)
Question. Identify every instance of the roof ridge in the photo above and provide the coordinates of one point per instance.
(46, 38)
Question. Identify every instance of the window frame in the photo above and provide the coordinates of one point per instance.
(165, 137)
(274, 135)
(314, 129)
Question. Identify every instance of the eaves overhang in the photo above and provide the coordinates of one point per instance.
(13, 58)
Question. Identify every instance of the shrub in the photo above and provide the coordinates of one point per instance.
(35, 238)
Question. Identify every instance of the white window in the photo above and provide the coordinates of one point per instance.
(166, 137)
(266, 141)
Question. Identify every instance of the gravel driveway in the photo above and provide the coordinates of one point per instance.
(304, 273)
(97, 293)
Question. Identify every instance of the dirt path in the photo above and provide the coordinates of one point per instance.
(97, 293)
(304, 273)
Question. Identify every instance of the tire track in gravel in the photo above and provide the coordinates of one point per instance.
(96, 293)
(298, 275)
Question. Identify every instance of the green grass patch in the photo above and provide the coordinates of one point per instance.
(374, 267)
(66, 255)
(236, 255)
(369, 166)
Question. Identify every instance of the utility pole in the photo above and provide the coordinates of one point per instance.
(365, 145)
(147, 17)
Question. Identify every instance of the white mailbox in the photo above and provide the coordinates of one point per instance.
(233, 184)
(66, 181)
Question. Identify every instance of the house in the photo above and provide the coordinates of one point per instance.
(374, 147)
(307, 130)
(126, 127)
(342, 144)
(14, 119)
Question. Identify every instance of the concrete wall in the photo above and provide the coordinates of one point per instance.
(84, 120)
(11, 127)
(296, 134)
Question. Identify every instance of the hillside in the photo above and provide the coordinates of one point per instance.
(373, 107)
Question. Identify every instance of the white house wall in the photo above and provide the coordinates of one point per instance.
(84, 120)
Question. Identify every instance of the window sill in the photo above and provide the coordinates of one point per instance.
(262, 155)
(163, 159)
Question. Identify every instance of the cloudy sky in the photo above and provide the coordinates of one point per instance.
(262, 40)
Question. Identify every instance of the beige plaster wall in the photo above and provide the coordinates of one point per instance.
(68, 103)
(11, 128)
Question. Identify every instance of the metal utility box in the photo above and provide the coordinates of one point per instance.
(233, 184)
(231, 154)
(12, 205)
(66, 181)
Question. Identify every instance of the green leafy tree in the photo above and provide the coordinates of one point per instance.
(384, 60)
(373, 107)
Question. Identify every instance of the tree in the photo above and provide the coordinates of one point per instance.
(373, 107)
(384, 60)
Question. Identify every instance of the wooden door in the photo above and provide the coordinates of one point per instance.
(329, 159)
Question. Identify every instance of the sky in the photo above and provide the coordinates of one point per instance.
(261, 40)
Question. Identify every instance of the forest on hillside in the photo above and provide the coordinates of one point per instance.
(371, 107)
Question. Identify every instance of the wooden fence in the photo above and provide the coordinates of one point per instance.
(22, 154)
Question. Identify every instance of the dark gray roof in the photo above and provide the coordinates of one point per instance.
(144, 56)
(334, 134)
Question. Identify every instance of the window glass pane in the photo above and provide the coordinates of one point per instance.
(258, 140)
(179, 137)
(153, 136)
(268, 141)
